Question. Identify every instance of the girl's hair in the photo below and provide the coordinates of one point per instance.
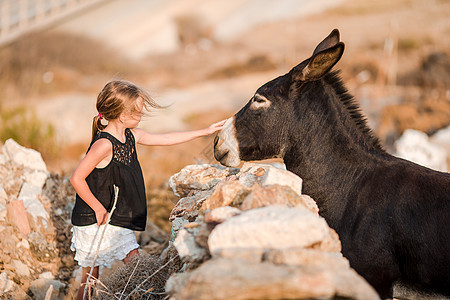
(116, 97)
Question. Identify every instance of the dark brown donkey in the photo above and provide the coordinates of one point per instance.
(392, 216)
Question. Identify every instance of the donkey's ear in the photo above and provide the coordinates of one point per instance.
(331, 40)
(320, 63)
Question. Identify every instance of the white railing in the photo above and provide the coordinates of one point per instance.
(21, 16)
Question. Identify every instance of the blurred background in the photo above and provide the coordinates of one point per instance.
(206, 58)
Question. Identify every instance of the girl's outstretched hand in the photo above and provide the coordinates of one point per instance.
(215, 127)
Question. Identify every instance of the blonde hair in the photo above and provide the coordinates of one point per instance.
(116, 97)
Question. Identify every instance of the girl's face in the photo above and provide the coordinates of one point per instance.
(133, 117)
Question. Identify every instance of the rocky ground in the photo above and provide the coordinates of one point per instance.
(35, 229)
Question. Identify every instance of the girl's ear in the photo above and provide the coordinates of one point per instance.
(122, 117)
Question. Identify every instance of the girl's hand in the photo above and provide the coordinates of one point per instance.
(101, 216)
(215, 127)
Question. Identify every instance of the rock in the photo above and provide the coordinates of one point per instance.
(198, 178)
(271, 195)
(270, 227)
(46, 275)
(188, 207)
(36, 178)
(201, 235)
(330, 243)
(415, 146)
(309, 203)
(252, 173)
(39, 246)
(20, 155)
(3, 212)
(17, 216)
(347, 283)
(226, 193)
(23, 244)
(276, 176)
(274, 246)
(259, 169)
(68, 261)
(39, 288)
(177, 225)
(6, 284)
(442, 137)
(220, 214)
(223, 278)
(29, 194)
(188, 249)
(21, 268)
(3, 196)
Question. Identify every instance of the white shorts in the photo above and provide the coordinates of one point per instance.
(117, 242)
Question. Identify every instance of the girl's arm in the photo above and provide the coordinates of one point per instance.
(100, 150)
(165, 139)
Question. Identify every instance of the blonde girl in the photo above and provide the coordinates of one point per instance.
(112, 160)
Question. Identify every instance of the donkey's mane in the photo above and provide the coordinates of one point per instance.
(352, 106)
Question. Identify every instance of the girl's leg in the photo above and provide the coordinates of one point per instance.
(84, 276)
(131, 255)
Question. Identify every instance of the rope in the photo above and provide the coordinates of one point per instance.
(88, 279)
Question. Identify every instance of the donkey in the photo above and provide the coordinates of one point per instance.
(392, 216)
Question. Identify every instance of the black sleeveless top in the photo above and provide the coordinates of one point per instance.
(123, 171)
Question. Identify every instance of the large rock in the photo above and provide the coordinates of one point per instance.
(220, 214)
(17, 216)
(194, 178)
(236, 279)
(30, 195)
(283, 177)
(187, 247)
(43, 250)
(20, 155)
(277, 194)
(189, 207)
(226, 193)
(415, 146)
(253, 235)
(270, 227)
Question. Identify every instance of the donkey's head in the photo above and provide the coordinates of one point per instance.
(262, 129)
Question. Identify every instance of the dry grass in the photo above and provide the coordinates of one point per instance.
(143, 278)
(27, 130)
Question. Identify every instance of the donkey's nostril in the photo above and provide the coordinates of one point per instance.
(216, 140)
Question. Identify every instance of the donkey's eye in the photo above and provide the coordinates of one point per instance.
(259, 101)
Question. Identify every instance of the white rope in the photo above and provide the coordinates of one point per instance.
(88, 279)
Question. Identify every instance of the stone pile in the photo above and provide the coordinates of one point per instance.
(432, 152)
(250, 233)
(30, 257)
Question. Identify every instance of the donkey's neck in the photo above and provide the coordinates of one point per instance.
(334, 152)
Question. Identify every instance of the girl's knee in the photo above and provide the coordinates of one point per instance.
(133, 253)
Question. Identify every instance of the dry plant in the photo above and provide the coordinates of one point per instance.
(143, 278)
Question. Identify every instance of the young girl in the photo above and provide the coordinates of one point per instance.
(111, 160)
